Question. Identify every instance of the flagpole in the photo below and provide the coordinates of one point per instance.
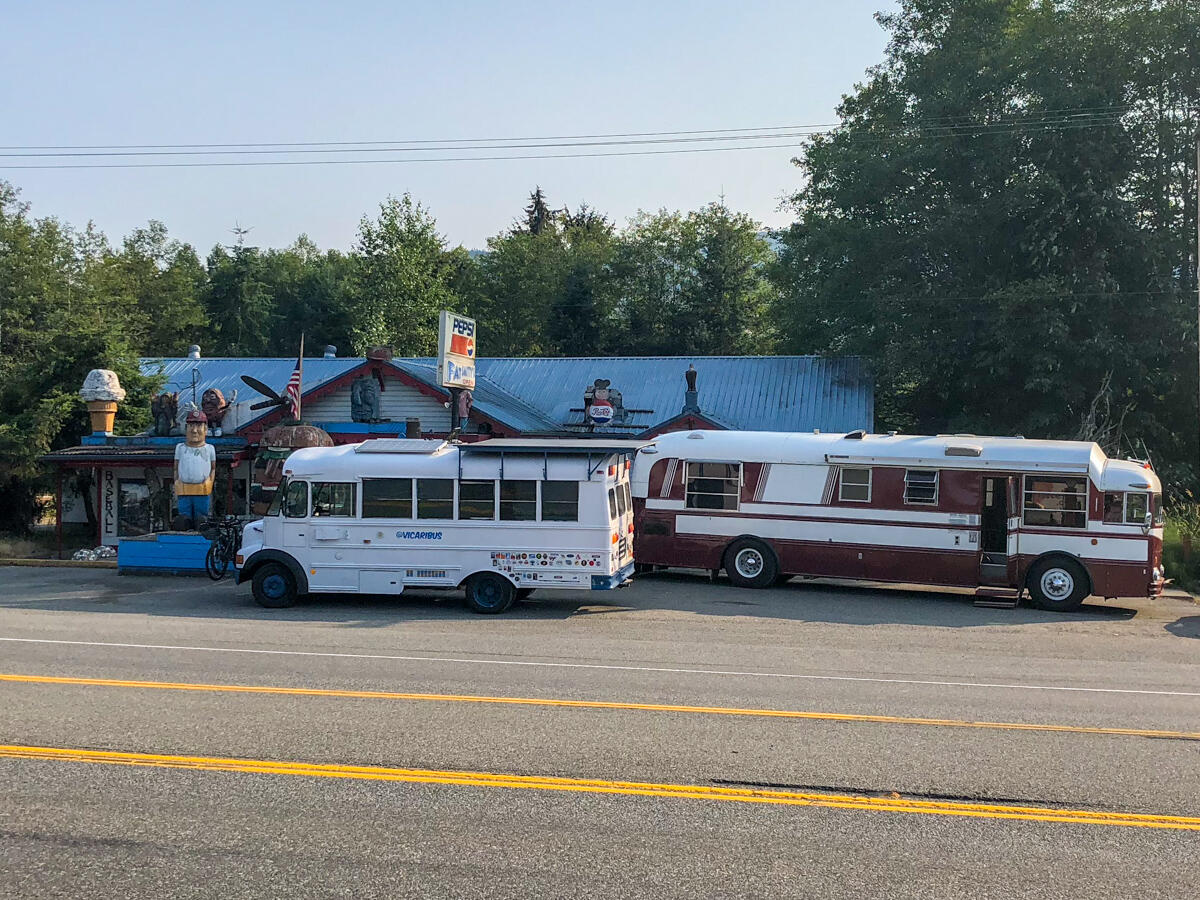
(300, 366)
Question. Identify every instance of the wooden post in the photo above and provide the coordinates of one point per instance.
(300, 391)
(229, 492)
(58, 515)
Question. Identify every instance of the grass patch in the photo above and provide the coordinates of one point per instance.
(40, 542)
(1182, 564)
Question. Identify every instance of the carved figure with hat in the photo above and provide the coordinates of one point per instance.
(195, 470)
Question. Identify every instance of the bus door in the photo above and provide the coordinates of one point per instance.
(993, 530)
(1013, 532)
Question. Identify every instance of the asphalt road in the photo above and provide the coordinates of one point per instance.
(167, 737)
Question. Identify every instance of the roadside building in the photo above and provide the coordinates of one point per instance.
(126, 479)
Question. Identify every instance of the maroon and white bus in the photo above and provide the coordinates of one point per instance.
(1002, 515)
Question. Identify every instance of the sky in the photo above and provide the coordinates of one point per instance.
(125, 73)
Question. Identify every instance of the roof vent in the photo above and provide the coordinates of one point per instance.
(964, 450)
(856, 435)
(330, 351)
(696, 436)
(194, 351)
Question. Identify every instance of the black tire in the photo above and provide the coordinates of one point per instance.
(274, 586)
(1058, 584)
(750, 563)
(215, 564)
(489, 593)
(522, 593)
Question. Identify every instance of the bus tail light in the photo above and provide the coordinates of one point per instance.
(631, 528)
(628, 463)
(612, 470)
(615, 538)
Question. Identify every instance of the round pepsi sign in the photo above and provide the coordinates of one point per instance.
(600, 413)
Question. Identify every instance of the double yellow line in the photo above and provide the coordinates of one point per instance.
(892, 804)
(600, 704)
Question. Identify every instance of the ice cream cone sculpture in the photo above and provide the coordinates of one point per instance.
(102, 391)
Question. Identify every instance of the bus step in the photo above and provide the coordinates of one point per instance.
(997, 597)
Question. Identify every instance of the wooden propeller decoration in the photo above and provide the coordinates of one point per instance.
(275, 399)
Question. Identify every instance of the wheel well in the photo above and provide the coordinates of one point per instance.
(1061, 554)
(505, 575)
(262, 557)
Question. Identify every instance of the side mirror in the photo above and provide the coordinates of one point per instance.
(1148, 523)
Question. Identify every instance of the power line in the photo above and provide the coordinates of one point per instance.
(947, 131)
(571, 137)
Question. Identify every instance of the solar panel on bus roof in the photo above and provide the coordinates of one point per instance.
(400, 445)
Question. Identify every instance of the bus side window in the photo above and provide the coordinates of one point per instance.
(518, 501)
(612, 503)
(295, 503)
(1137, 508)
(1114, 508)
(477, 499)
(331, 498)
(387, 498)
(435, 498)
(560, 501)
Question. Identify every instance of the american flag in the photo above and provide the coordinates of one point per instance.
(292, 391)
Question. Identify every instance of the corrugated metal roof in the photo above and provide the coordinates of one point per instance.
(225, 374)
(749, 393)
(488, 397)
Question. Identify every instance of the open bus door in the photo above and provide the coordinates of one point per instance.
(1013, 545)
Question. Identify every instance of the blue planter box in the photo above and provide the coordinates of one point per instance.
(162, 554)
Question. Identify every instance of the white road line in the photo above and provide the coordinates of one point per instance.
(604, 667)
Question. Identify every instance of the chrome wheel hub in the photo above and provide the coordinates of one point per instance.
(749, 563)
(1057, 584)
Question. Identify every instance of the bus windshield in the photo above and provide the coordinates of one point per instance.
(277, 500)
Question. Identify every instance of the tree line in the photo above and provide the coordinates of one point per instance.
(1004, 224)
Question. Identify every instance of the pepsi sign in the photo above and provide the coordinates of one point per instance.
(601, 413)
(456, 350)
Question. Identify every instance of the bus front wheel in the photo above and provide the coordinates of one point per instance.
(1058, 584)
(274, 586)
(751, 563)
(490, 593)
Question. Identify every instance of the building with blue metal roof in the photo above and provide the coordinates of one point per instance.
(598, 397)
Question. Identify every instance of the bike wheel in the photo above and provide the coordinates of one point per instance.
(215, 563)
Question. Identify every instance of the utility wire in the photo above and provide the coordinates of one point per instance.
(868, 138)
(571, 137)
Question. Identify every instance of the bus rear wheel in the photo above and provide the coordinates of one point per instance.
(752, 564)
(490, 593)
(1058, 584)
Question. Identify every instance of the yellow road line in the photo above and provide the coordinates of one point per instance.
(598, 704)
(894, 804)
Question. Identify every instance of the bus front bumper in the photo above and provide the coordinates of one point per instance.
(609, 582)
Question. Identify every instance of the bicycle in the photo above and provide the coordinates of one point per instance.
(225, 544)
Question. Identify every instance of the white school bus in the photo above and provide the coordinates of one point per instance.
(499, 518)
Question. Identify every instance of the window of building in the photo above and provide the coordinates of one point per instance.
(295, 502)
(560, 501)
(477, 499)
(921, 486)
(713, 485)
(1055, 501)
(387, 498)
(435, 498)
(855, 485)
(332, 498)
(518, 501)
